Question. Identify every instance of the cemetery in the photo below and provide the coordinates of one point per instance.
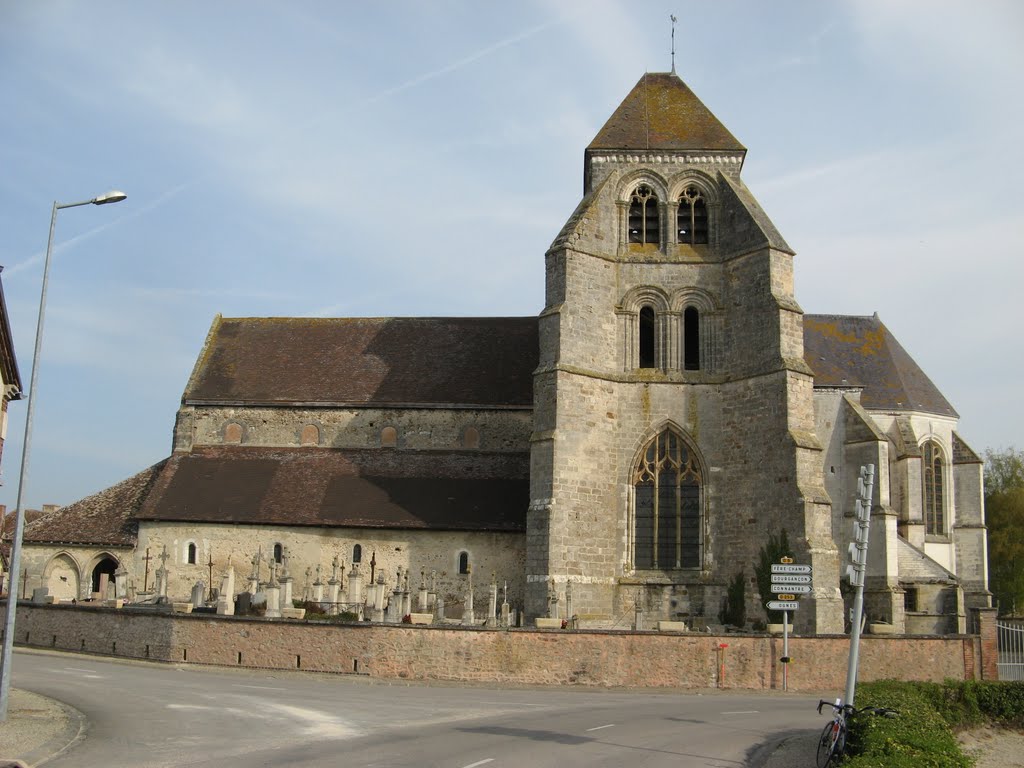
(395, 626)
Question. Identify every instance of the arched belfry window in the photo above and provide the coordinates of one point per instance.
(643, 217)
(646, 345)
(667, 485)
(932, 486)
(692, 219)
(691, 339)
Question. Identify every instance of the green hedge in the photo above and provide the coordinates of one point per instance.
(922, 734)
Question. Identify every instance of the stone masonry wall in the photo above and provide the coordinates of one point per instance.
(611, 659)
(417, 428)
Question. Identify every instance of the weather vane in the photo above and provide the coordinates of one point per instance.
(673, 43)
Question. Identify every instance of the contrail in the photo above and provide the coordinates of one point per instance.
(37, 258)
(464, 61)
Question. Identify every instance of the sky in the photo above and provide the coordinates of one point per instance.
(336, 159)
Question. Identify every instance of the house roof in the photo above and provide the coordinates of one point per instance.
(8, 362)
(848, 350)
(105, 518)
(661, 112)
(460, 362)
(376, 488)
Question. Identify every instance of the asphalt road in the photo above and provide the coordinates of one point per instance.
(159, 715)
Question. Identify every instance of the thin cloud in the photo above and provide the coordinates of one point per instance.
(457, 65)
(59, 248)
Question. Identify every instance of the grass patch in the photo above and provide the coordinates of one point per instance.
(922, 735)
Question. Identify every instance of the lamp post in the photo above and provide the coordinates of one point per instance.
(19, 521)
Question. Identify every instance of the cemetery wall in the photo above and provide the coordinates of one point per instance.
(520, 656)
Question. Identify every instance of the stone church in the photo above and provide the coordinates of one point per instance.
(635, 445)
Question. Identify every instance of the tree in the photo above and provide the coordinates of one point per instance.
(772, 551)
(1004, 515)
(1004, 470)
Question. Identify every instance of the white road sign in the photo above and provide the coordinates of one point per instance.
(782, 605)
(798, 589)
(789, 578)
(786, 568)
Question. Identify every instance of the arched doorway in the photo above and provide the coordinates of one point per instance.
(107, 566)
(62, 578)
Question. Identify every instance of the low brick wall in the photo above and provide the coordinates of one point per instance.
(633, 659)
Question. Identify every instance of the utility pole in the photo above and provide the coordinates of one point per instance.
(855, 570)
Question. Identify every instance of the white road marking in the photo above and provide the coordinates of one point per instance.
(78, 669)
(314, 723)
(479, 762)
(598, 728)
(743, 712)
(78, 673)
(260, 687)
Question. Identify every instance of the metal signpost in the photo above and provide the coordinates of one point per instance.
(788, 581)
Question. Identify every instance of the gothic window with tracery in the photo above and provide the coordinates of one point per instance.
(931, 458)
(643, 217)
(692, 218)
(667, 484)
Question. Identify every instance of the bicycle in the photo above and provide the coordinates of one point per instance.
(832, 743)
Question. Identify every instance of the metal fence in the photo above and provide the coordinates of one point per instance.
(1010, 636)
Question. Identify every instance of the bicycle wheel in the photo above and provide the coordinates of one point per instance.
(827, 744)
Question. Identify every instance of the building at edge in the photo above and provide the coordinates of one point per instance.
(637, 444)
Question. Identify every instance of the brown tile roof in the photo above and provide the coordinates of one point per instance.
(378, 488)
(661, 112)
(105, 518)
(467, 361)
(847, 350)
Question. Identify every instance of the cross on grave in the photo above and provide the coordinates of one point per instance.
(257, 561)
(145, 578)
(273, 571)
(210, 566)
(163, 557)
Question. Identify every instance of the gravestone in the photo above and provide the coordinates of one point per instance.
(198, 594)
(243, 603)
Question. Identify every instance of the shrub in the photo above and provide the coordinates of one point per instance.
(773, 551)
(918, 736)
(922, 734)
(734, 611)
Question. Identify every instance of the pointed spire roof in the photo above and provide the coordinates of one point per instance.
(662, 113)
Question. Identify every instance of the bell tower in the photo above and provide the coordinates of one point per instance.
(673, 410)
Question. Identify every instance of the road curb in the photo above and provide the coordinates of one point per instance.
(71, 734)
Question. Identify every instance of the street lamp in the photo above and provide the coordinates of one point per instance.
(113, 196)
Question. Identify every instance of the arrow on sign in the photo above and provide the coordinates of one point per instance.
(780, 605)
(800, 589)
(786, 568)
